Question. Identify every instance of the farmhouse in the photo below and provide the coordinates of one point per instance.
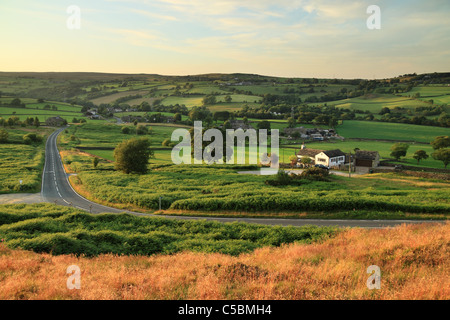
(369, 159)
(310, 153)
(330, 158)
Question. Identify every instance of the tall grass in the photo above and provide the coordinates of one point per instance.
(414, 262)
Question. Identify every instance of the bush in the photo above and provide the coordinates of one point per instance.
(31, 138)
(3, 136)
(314, 173)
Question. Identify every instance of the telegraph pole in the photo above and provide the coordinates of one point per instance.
(350, 165)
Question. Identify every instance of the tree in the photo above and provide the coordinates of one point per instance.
(442, 155)
(306, 161)
(399, 150)
(133, 155)
(293, 159)
(36, 122)
(3, 136)
(125, 130)
(227, 124)
(420, 155)
(221, 115)
(95, 162)
(177, 117)
(440, 142)
(209, 100)
(385, 110)
(16, 102)
(228, 99)
(141, 130)
(291, 122)
(263, 125)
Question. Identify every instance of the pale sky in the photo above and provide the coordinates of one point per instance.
(291, 38)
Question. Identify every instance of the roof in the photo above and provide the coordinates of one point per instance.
(308, 152)
(334, 153)
(366, 155)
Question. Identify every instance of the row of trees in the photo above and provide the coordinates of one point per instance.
(15, 121)
(440, 144)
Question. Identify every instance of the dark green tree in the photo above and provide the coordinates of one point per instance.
(442, 155)
(399, 150)
(133, 155)
(420, 155)
(95, 162)
(440, 142)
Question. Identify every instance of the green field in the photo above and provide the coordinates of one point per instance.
(21, 162)
(188, 102)
(390, 131)
(439, 94)
(375, 103)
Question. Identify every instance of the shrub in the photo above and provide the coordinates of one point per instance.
(141, 129)
(31, 137)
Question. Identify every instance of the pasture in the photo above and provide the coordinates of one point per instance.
(375, 103)
(390, 131)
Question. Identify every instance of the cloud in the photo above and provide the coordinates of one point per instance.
(154, 15)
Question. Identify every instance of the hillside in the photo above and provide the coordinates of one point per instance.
(413, 260)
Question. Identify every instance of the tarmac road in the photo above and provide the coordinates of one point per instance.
(57, 189)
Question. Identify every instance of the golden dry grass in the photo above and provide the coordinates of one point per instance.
(414, 262)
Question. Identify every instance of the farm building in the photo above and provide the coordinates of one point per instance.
(369, 159)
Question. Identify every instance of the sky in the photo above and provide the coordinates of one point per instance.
(287, 38)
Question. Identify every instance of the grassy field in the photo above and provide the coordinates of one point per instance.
(413, 260)
(374, 103)
(390, 131)
(439, 94)
(21, 162)
(113, 97)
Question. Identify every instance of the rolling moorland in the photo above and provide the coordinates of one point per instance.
(370, 115)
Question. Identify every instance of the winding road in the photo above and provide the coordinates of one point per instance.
(57, 189)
